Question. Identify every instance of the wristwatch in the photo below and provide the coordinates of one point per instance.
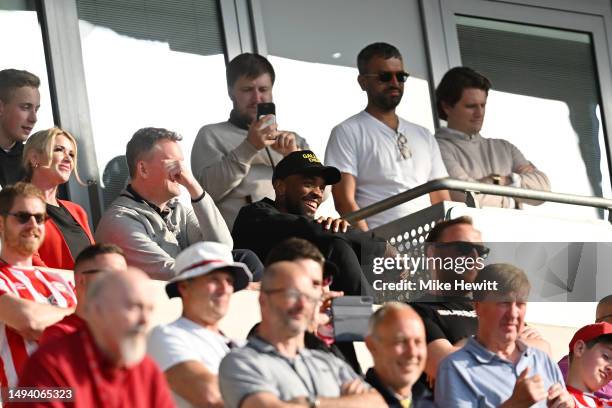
(314, 403)
(496, 179)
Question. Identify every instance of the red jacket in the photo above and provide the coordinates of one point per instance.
(54, 252)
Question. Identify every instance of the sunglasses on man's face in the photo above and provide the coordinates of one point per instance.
(463, 248)
(386, 76)
(23, 217)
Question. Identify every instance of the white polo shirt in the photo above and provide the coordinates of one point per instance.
(368, 149)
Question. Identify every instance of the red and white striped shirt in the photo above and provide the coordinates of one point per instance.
(37, 286)
(586, 400)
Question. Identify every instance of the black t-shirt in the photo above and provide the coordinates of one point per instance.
(11, 170)
(74, 235)
(451, 318)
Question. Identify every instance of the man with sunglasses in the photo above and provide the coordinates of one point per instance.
(94, 259)
(274, 368)
(449, 316)
(461, 100)
(30, 299)
(379, 153)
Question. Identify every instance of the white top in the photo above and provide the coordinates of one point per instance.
(183, 340)
(368, 149)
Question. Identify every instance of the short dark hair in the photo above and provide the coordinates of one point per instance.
(11, 79)
(143, 142)
(9, 194)
(293, 249)
(248, 65)
(453, 83)
(378, 49)
(436, 232)
(94, 250)
(508, 279)
(603, 339)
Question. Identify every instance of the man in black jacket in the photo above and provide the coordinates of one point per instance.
(299, 181)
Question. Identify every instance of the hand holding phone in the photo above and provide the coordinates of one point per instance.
(266, 109)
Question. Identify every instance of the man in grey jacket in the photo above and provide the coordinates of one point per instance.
(461, 100)
(233, 160)
(147, 221)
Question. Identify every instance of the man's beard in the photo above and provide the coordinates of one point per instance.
(296, 207)
(387, 102)
(22, 245)
(133, 347)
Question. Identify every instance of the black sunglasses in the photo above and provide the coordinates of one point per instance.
(464, 248)
(386, 76)
(23, 217)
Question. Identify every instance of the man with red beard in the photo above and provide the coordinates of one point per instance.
(104, 364)
(30, 299)
(299, 181)
(379, 153)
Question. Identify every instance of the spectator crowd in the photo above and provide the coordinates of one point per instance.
(76, 302)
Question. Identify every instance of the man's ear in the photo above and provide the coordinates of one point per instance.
(361, 80)
(579, 348)
(445, 107)
(279, 187)
(141, 169)
(370, 344)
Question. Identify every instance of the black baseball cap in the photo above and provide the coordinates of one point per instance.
(307, 163)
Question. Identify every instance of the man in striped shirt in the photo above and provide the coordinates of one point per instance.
(30, 299)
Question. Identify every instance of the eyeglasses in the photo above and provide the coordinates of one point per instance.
(463, 248)
(402, 144)
(293, 295)
(23, 217)
(386, 76)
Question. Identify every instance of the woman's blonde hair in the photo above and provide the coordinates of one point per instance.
(42, 142)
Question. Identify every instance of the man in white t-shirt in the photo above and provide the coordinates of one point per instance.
(190, 349)
(379, 153)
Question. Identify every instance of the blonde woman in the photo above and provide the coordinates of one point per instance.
(50, 157)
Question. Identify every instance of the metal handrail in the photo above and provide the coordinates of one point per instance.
(478, 188)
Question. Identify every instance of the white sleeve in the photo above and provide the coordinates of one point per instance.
(168, 349)
(341, 151)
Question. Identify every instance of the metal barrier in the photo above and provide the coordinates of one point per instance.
(471, 188)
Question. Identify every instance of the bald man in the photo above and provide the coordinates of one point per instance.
(396, 340)
(104, 363)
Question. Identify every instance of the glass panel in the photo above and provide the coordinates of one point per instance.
(545, 101)
(314, 45)
(19, 21)
(157, 63)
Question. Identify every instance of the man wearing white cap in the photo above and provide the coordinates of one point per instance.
(189, 350)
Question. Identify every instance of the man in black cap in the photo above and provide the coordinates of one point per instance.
(299, 181)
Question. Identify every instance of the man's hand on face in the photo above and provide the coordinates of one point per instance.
(261, 137)
(178, 172)
(528, 390)
(334, 224)
(559, 397)
(285, 143)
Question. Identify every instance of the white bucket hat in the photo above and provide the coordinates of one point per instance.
(203, 258)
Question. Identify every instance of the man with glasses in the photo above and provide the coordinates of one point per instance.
(461, 100)
(379, 153)
(30, 299)
(90, 261)
(189, 350)
(274, 368)
(449, 315)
